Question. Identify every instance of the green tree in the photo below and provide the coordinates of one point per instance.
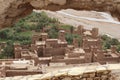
(4, 33)
(107, 45)
(69, 38)
(118, 48)
(8, 51)
(105, 38)
(114, 41)
(53, 31)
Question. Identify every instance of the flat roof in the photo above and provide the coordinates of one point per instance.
(52, 40)
(44, 33)
(45, 58)
(114, 55)
(62, 42)
(92, 39)
(40, 42)
(87, 33)
(78, 50)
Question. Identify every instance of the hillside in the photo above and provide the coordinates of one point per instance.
(12, 10)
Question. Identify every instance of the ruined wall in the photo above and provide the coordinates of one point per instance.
(12, 10)
(48, 52)
(88, 72)
(83, 72)
(103, 75)
(22, 73)
(69, 61)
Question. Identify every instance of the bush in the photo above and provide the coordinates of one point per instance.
(4, 34)
(114, 41)
(118, 48)
(70, 37)
(53, 32)
(108, 41)
(26, 42)
(67, 27)
(8, 51)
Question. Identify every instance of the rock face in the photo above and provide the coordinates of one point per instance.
(12, 10)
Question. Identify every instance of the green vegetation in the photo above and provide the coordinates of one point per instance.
(22, 31)
(70, 37)
(67, 27)
(8, 51)
(108, 41)
(53, 32)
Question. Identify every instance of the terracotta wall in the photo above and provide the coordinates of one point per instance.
(53, 52)
(21, 73)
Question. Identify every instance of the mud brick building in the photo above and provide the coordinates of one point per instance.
(17, 67)
(44, 53)
(44, 50)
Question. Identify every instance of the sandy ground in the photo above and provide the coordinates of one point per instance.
(89, 19)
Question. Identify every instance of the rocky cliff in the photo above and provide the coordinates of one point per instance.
(11, 10)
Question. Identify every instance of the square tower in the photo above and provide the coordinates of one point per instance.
(17, 50)
(95, 32)
(75, 42)
(80, 30)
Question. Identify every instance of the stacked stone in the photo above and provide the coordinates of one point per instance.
(100, 75)
(82, 73)
(88, 72)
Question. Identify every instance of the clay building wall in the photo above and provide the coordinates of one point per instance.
(33, 47)
(87, 43)
(44, 62)
(52, 43)
(95, 32)
(2, 72)
(69, 61)
(53, 52)
(10, 73)
(74, 55)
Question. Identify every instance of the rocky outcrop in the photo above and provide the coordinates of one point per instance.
(12, 10)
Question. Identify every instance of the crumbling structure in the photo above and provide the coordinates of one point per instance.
(17, 67)
(86, 72)
(45, 51)
(44, 54)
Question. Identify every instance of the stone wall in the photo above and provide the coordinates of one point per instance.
(88, 72)
(12, 10)
(103, 75)
(83, 72)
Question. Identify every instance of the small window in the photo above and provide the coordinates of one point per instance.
(40, 39)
